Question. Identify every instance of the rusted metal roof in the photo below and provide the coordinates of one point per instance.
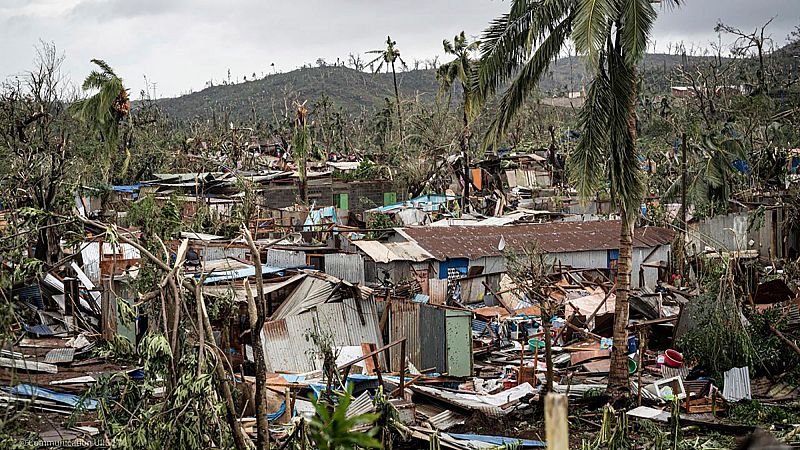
(557, 237)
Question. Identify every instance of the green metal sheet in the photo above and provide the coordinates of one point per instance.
(459, 343)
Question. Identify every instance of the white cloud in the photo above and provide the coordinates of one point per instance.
(181, 44)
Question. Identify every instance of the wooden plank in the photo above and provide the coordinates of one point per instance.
(369, 365)
(587, 355)
(555, 418)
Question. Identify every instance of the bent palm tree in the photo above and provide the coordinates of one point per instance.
(613, 34)
(104, 110)
(463, 70)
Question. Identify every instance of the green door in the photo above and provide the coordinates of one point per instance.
(344, 201)
(459, 343)
(389, 198)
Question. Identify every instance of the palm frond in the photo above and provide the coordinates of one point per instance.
(637, 22)
(593, 26)
(448, 47)
(105, 108)
(507, 42)
(587, 162)
(527, 80)
(627, 188)
(106, 68)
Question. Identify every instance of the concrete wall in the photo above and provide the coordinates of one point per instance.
(363, 195)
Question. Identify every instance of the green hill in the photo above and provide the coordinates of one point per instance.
(345, 87)
(354, 90)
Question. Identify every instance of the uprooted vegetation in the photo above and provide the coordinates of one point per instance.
(458, 270)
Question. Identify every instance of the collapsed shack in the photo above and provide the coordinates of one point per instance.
(320, 308)
(428, 322)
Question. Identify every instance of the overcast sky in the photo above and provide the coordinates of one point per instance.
(181, 44)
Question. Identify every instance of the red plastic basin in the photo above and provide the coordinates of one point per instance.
(672, 358)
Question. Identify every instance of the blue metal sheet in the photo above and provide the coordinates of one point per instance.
(39, 330)
(498, 440)
(246, 272)
(31, 294)
(28, 390)
(421, 298)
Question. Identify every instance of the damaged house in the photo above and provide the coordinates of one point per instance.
(469, 251)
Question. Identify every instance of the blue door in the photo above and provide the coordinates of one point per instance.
(455, 267)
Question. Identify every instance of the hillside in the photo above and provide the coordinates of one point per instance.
(348, 88)
(354, 90)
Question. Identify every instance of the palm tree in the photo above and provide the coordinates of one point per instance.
(711, 168)
(104, 110)
(301, 146)
(388, 57)
(464, 70)
(613, 35)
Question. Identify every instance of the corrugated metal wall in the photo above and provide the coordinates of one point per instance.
(285, 258)
(437, 289)
(287, 349)
(730, 233)
(662, 253)
(424, 329)
(433, 338)
(213, 253)
(348, 267)
(404, 323)
(581, 260)
(599, 259)
(474, 291)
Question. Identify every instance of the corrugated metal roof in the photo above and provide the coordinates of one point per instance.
(348, 267)
(491, 405)
(349, 323)
(362, 404)
(285, 258)
(393, 251)
(409, 251)
(310, 293)
(284, 346)
(236, 274)
(559, 237)
(240, 292)
(737, 384)
(446, 419)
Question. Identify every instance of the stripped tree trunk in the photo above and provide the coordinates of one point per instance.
(548, 350)
(465, 135)
(618, 376)
(239, 438)
(618, 385)
(257, 311)
(397, 99)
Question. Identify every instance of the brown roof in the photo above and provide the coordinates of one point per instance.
(559, 237)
